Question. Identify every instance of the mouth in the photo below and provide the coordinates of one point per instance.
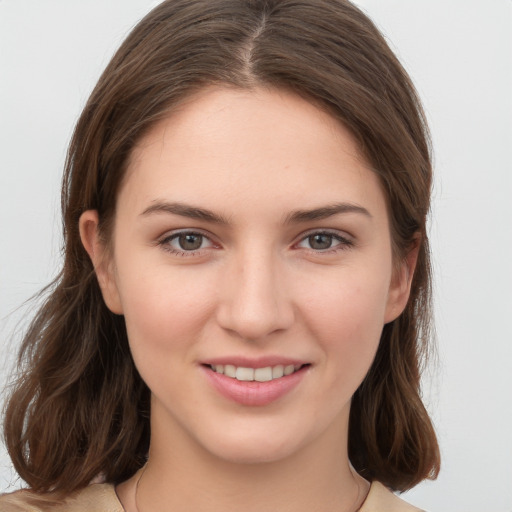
(256, 385)
(265, 374)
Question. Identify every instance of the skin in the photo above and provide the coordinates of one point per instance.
(257, 286)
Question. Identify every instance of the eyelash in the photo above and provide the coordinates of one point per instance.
(165, 243)
(344, 242)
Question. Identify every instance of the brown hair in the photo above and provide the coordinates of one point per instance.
(79, 407)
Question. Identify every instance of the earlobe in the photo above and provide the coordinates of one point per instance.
(88, 226)
(400, 287)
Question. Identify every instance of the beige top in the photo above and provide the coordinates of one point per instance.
(103, 498)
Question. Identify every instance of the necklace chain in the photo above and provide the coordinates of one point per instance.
(137, 486)
(357, 503)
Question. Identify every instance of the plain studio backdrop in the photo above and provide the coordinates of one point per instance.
(459, 54)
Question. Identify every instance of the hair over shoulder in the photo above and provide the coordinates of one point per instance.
(79, 407)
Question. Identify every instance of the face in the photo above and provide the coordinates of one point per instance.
(251, 258)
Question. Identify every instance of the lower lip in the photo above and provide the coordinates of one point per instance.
(252, 392)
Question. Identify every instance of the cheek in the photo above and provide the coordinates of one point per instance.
(346, 315)
(163, 309)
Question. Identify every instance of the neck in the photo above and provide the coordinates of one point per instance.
(181, 476)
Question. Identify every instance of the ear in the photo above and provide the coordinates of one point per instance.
(400, 287)
(101, 260)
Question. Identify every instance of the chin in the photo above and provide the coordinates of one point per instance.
(254, 447)
(253, 454)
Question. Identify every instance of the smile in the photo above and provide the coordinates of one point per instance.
(258, 385)
(265, 374)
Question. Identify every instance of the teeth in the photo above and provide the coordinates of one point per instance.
(244, 373)
(277, 371)
(229, 370)
(263, 374)
(255, 374)
(288, 370)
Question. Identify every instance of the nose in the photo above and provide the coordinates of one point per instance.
(254, 300)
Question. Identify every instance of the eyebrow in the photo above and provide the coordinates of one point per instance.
(185, 210)
(325, 212)
(295, 217)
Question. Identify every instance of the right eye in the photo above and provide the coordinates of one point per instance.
(186, 243)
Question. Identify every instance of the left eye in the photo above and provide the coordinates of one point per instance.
(187, 241)
(322, 241)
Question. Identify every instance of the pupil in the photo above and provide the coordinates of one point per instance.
(190, 242)
(320, 241)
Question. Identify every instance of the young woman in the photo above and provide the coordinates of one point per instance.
(244, 305)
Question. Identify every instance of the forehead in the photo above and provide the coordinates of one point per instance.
(256, 145)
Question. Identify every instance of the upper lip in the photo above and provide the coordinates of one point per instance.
(258, 362)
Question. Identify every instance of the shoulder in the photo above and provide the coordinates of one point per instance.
(381, 499)
(94, 498)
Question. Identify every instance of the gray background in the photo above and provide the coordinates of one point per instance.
(459, 53)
